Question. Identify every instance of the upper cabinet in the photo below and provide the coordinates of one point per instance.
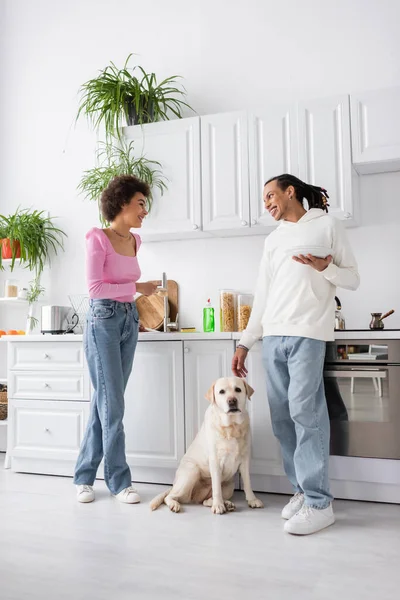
(375, 130)
(272, 150)
(216, 166)
(225, 172)
(325, 152)
(176, 145)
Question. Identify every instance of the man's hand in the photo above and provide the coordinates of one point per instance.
(238, 360)
(319, 264)
(148, 288)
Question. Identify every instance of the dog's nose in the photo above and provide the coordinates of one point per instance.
(232, 402)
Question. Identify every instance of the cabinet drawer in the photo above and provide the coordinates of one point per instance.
(47, 426)
(45, 355)
(54, 385)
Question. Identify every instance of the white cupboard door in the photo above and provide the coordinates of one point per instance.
(273, 151)
(45, 436)
(265, 451)
(154, 409)
(225, 177)
(176, 145)
(205, 361)
(325, 150)
(375, 129)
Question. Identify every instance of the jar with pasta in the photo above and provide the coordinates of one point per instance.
(245, 305)
(227, 310)
(11, 288)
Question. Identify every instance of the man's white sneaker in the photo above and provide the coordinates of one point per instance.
(129, 495)
(293, 506)
(310, 520)
(85, 493)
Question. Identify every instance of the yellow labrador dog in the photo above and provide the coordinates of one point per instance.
(222, 446)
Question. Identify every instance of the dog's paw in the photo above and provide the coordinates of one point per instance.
(255, 503)
(229, 506)
(218, 508)
(174, 506)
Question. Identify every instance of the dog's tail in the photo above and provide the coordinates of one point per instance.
(158, 500)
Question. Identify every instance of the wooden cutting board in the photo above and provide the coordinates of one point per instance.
(151, 308)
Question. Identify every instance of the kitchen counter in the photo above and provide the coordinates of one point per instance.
(364, 334)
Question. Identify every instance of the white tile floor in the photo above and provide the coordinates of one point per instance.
(51, 547)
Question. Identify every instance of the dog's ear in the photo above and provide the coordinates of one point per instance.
(249, 390)
(210, 394)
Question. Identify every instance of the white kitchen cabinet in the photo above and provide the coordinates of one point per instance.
(325, 152)
(375, 129)
(205, 361)
(266, 469)
(225, 172)
(273, 150)
(176, 145)
(154, 419)
(45, 436)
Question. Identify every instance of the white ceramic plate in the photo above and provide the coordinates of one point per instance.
(317, 251)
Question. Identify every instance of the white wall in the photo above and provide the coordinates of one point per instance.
(233, 55)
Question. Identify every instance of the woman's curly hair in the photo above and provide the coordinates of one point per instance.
(119, 193)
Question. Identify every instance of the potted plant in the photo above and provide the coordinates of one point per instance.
(30, 236)
(119, 160)
(34, 292)
(130, 94)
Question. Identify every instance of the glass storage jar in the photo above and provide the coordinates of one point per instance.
(245, 305)
(227, 300)
(11, 288)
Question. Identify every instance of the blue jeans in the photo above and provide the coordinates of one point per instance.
(299, 414)
(110, 341)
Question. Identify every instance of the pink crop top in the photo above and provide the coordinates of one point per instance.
(110, 275)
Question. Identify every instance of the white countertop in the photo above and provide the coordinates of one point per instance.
(179, 336)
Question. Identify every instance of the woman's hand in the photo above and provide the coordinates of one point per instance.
(238, 360)
(319, 264)
(148, 288)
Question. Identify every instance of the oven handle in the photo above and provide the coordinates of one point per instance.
(357, 374)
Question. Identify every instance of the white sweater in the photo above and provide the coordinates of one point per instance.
(292, 299)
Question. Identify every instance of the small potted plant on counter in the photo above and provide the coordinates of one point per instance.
(132, 95)
(34, 292)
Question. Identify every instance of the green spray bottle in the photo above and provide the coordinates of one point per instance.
(208, 318)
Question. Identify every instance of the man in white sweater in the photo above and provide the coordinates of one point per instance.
(294, 313)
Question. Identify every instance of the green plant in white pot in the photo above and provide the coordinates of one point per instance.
(130, 96)
(119, 160)
(34, 292)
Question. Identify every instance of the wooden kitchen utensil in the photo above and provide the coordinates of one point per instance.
(151, 308)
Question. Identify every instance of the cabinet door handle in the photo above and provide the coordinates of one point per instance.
(195, 227)
(46, 430)
(46, 355)
(244, 223)
(347, 215)
(186, 350)
(46, 385)
(254, 222)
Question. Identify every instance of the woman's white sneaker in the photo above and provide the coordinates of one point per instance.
(310, 520)
(129, 495)
(293, 506)
(85, 493)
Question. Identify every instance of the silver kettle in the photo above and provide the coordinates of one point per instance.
(339, 318)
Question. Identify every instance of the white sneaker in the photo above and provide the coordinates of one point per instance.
(129, 495)
(293, 506)
(85, 493)
(310, 520)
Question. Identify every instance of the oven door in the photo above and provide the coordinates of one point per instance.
(364, 409)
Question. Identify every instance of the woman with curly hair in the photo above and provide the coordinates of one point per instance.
(111, 334)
